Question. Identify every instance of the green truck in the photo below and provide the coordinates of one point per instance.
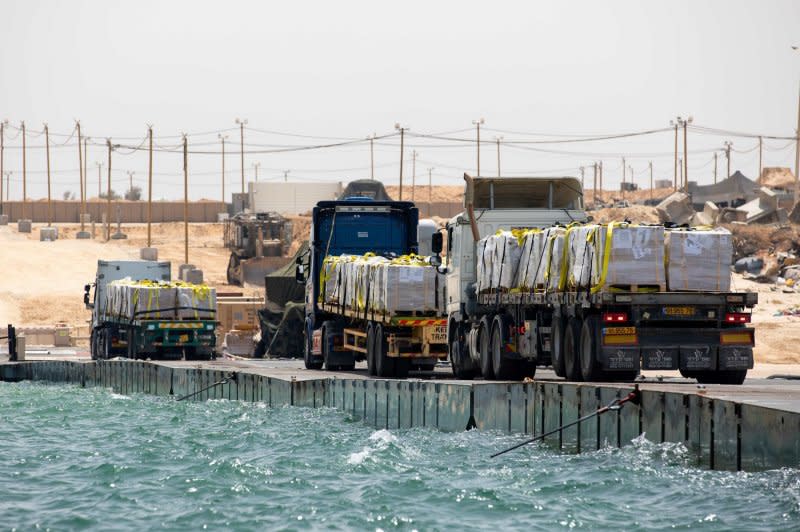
(138, 313)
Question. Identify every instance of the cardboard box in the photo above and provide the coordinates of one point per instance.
(239, 313)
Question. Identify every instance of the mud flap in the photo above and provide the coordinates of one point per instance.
(620, 358)
(735, 358)
(698, 357)
(660, 358)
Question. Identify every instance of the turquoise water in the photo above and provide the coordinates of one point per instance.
(77, 458)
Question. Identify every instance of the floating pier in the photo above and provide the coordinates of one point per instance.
(751, 427)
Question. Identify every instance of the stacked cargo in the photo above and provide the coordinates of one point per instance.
(619, 255)
(699, 260)
(379, 284)
(615, 255)
(140, 300)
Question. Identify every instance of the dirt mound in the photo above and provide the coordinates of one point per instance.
(438, 193)
(764, 241)
(777, 177)
(634, 213)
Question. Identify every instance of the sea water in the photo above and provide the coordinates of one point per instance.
(73, 458)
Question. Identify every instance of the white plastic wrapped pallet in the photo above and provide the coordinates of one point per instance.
(556, 238)
(505, 260)
(407, 288)
(484, 254)
(699, 260)
(635, 256)
(127, 299)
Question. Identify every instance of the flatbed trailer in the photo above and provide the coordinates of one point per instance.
(391, 344)
(612, 335)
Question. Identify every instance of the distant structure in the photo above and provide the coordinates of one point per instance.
(289, 198)
(732, 192)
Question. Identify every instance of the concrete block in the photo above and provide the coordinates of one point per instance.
(730, 215)
(194, 276)
(48, 234)
(701, 218)
(677, 208)
(119, 235)
(768, 199)
(83, 235)
(182, 269)
(148, 253)
(3, 219)
(21, 346)
(711, 210)
(24, 226)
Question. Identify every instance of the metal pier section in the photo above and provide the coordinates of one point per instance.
(751, 427)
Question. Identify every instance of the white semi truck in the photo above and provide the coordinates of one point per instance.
(584, 335)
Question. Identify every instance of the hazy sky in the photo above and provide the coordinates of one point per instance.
(347, 69)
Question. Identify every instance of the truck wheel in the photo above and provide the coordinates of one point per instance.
(731, 376)
(571, 350)
(557, 346)
(384, 365)
(460, 361)
(590, 366)
(308, 358)
(370, 349)
(104, 342)
(484, 344)
(504, 368)
(131, 343)
(401, 368)
(93, 350)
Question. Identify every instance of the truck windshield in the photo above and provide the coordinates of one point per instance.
(527, 193)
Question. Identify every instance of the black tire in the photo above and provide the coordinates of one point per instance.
(261, 349)
(308, 358)
(384, 365)
(504, 368)
(371, 349)
(588, 351)
(485, 347)
(401, 368)
(730, 376)
(233, 264)
(571, 350)
(557, 347)
(105, 344)
(131, 343)
(326, 350)
(460, 361)
(94, 351)
(527, 369)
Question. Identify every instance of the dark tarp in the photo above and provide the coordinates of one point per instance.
(281, 331)
(365, 188)
(281, 286)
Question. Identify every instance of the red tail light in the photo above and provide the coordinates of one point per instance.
(615, 317)
(737, 317)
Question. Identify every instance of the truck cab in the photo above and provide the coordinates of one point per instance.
(503, 203)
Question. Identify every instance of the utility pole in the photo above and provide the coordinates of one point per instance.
(651, 181)
(631, 180)
(583, 181)
(242, 123)
(477, 123)
(402, 131)
(797, 149)
(108, 194)
(80, 166)
(601, 180)
(185, 200)
(675, 157)
(372, 156)
(413, 174)
(49, 198)
(686, 156)
(24, 175)
(728, 145)
(594, 184)
(84, 184)
(715, 167)
(760, 159)
(430, 192)
(498, 139)
(286, 176)
(623, 179)
(680, 169)
(130, 186)
(2, 172)
(99, 178)
(255, 167)
(222, 139)
(150, 184)
(8, 184)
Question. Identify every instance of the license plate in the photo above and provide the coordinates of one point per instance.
(619, 330)
(679, 311)
(183, 338)
(436, 334)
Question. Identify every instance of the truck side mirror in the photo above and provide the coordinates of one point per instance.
(436, 243)
(300, 274)
(86, 289)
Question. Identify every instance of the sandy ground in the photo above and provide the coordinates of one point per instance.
(41, 283)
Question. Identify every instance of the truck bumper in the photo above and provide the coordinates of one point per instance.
(684, 349)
